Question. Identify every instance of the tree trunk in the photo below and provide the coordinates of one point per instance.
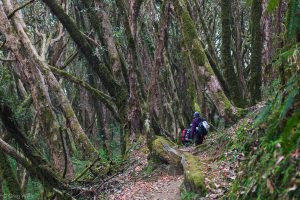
(238, 33)
(39, 90)
(159, 48)
(1, 189)
(130, 23)
(114, 89)
(97, 12)
(195, 49)
(256, 52)
(226, 53)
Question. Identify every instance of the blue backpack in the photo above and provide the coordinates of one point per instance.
(186, 135)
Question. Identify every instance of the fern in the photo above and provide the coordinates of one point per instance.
(293, 19)
(288, 103)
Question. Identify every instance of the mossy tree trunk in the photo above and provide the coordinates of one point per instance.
(97, 13)
(256, 52)
(211, 54)
(193, 44)
(8, 175)
(169, 87)
(39, 90)
(226, 54)
(32, 160)
(114, 89)
(130, 11)
(238, 32)
(154, 108)
(41, 69)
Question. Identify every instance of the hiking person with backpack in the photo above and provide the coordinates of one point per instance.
(186, 137)
(199, 128)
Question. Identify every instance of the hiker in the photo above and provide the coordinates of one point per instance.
(199, 128)
(186, 136)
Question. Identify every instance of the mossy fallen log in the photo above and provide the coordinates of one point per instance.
(165, 151)
(189, 164)
(193, 176)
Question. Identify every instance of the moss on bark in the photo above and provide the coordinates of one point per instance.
(191, 166)
(7, 174)
(228, 66)
(162, 148)
(194, 178)
(256, 52)
(193, 44)
(114, 89)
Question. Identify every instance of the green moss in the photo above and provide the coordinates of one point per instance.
(189, 29)
(159, 145)
(194, 179)
(7, 174)
(196, 106)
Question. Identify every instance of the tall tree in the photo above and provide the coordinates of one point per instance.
(256, 52)
(154, 89)
(197, 53)
(230, 74)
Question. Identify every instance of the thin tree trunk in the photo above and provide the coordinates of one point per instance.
(105, 128)
(1, 189)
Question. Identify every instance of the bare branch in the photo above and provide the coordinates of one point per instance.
(106, 99)
(19, 8)
(7, 59)
(60, 35)
(9, 150)
(69, 59)
(2, 45)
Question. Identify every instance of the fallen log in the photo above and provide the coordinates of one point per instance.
(189, 164)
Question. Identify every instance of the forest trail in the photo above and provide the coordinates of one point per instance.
(141, 181)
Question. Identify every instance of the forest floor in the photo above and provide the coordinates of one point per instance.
(144, 180)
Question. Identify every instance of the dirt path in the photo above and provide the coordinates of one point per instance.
(135, 183)
(164, 188)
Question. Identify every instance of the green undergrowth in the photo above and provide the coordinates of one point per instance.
(185, 195)
(271, 144)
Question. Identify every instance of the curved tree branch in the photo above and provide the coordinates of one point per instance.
(114, 89)
(104, 98)
(19, 8)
